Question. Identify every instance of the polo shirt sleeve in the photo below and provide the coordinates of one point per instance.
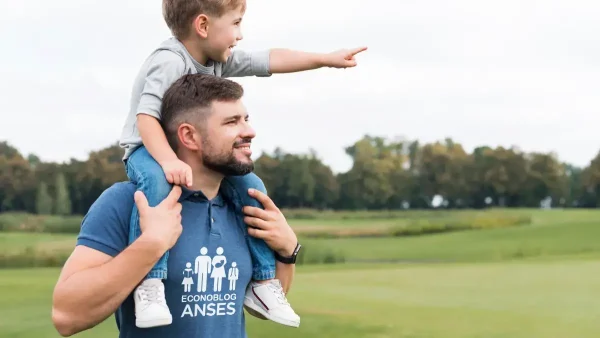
(105, 227)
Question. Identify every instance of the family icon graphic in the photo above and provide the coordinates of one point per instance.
(188, 280)
(206, 267)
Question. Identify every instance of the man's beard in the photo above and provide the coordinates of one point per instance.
(225, 163)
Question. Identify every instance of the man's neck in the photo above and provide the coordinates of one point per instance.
(203, 179)
(206, 181)
(194, 47)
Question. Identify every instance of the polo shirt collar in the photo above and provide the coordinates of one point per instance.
(197, 195)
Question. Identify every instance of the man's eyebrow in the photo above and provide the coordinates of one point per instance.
(236, 116)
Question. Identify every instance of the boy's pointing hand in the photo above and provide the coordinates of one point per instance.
(343, 58)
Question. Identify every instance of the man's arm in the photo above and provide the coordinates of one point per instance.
(92, 284)
(271, 226)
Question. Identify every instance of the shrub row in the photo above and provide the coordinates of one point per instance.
(421, 227)
(30, 257)
(363, 214)
(313, 254)
(22, 222)
(426, 226)
(15, 221)
(411, 227)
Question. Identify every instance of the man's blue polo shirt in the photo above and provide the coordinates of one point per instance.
(209, 266)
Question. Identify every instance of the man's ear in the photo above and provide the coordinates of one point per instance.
(188, 136)
(201, 25)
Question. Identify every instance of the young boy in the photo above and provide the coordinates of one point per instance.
(204, 35)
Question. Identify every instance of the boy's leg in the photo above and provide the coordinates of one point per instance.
(150, 304)
(265, 298)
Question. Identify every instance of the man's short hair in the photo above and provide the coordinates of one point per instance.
(179, 14)
(190, 98)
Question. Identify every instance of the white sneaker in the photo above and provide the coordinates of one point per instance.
(267, 301)
(150, 304)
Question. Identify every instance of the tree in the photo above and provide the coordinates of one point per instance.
(546, 178)
(326, 188)
(385, 174)
(63, 201)
(367, 184)
(43, 201)
(591, 182)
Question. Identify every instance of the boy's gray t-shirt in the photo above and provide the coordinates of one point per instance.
(167, 64)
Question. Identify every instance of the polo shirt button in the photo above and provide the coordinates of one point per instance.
(195, 194)
(213, 220)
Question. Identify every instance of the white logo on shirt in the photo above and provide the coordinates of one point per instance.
(204, 268)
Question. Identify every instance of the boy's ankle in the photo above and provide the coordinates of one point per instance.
(266, 281)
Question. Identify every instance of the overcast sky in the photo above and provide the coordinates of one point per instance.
(510, 72)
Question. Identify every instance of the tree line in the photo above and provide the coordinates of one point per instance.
(385, 174)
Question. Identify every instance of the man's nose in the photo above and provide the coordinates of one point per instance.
(248, 131)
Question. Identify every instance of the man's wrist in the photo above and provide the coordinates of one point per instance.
(153, 245)
(285, 257)
(289, 249)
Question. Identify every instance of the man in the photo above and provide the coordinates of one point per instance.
(207, 125)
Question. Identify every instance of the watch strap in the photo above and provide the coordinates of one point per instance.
(291, 259)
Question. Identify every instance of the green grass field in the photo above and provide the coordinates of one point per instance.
(531, 299)
(540, 280)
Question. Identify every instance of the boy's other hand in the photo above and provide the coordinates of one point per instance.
(177, 172)
(343, 58)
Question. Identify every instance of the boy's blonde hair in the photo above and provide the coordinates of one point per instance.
(179, 14)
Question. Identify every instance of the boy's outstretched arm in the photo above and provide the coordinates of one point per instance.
(290, 61)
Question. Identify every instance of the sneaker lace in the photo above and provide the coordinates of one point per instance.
(150, 294)
(278, 291)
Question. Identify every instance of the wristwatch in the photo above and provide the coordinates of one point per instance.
(289, 260)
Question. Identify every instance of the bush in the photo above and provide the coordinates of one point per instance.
(302, 213)
(30, 258)
(363, 214)
(345, 233)
(316, 254)
(428, 226)
(423, 226)
(22, 222)
(64, 225)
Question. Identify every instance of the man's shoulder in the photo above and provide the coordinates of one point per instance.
(120, 189)
(119, 195)
(105, 227)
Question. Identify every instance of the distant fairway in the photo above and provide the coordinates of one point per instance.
(560, 238)
(539, 280)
